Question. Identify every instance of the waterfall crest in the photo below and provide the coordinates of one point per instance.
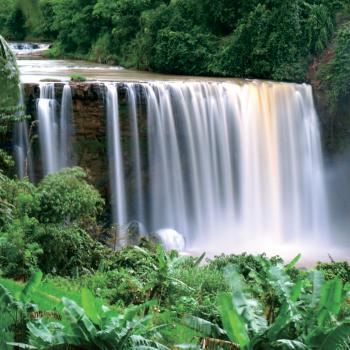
(228, 162)
(55, 128)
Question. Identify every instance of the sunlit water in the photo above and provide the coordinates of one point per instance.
(55, 128)
(36, 70)
(233, 165)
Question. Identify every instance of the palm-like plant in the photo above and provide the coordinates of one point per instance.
(303, 320)
(93, 326)
(19, 306)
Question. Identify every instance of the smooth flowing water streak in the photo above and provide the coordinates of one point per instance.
(55, 132)
(48, 128)
(116, 165)
(137, 185)
(229, 164)
(22, 147)
(66, 128)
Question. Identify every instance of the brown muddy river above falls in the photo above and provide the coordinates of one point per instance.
(36, 70)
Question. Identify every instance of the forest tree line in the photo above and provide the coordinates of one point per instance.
(267, 39)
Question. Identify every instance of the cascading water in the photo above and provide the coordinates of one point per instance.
(55, 133)
(48, 128)
(116, 165)
(66, 128)
(11, 94)
(22, 151)
(137, 196)
(229, 164)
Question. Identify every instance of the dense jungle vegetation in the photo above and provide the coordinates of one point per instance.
(256, 38)
(299, 41)
(62, 287)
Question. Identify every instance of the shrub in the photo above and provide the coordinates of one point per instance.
(68, 251)
(19, 255)
(77, 78)
(334, 76)
(182, 52)
(66, 197)
(332, 270)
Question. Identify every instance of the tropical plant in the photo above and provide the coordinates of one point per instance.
(304, 319)
(66, 197)
(94, 326)
(19, 306)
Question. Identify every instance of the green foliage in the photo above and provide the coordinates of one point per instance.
(335, 75)
(9, 97)
(332, 270)
(181, 52)
(260, 39)
(43, 226)
(66, 197)
(96, 327)
(68, 250)
(77, 77)
(18, 306)
(297, 322)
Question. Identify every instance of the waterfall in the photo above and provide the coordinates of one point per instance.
(55, 133)
(22, 147)
(137, 195)
(116, 166)
(66, 127)
(229, 163)
(48, 128)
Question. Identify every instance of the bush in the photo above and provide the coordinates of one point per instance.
(43, 226)
(77, 77)
(334, 76)
(181, 52)
(19, 255)
(68, 251)
(332, 270)
(66, 197)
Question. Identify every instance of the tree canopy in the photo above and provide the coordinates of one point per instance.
(256, 38)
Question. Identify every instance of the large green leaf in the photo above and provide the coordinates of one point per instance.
(247, 307)
(330, 300)
(5, 297)
(31, 286)
(80, 323)
(293, 263)
(288, 312)
(234, 324)
(205, 328)
(280, 281)
(334, 339)
(89, 304)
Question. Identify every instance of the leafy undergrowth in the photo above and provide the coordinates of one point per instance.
(158, 300)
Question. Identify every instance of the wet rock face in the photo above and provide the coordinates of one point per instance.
(89, 121)
(89, 128)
